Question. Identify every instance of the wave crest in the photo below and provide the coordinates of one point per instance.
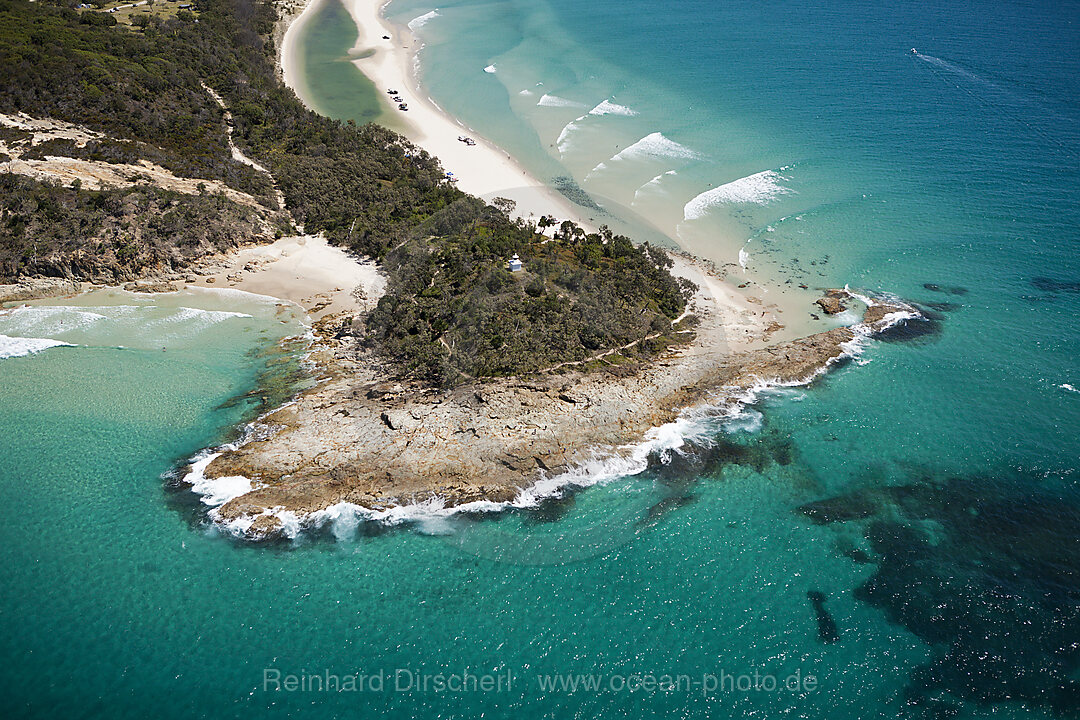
(418, 22)
(651, 148)
(759, 188)
(609, 108)
(563, 141)
(549, 100)
(18, 346)
(652, 187)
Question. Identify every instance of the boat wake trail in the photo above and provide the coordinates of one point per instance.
(953, 68)
(1019, 109)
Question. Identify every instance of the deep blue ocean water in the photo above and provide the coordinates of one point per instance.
(905, 530)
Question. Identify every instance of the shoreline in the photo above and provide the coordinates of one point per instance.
(364, 439)
(302, 270)
(293, 15)
(363, 443)
(484, 169)
(321, 279)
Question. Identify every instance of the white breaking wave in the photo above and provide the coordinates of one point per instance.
(759, 188)
(744, 258)
(548, 100)
(526, 92)
(563, 141)
(214, 316)
(490, 68)
(18, 346)
(609, 108)
(656, 145)
(1067, 386)
(652, 147)
(747, 420)
(629, 460)
(215, 492)
(419, 22)
(242, 295)
(50, 320)
(855, 347)
(56, 319)
(651, 187)
(186, 321)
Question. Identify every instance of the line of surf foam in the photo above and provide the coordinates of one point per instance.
(652, 148)
(215, 492)
(11, 347)
(554, 101)
(39, 321)
(653, 186)
(421, 20)
(759, 188)
(604, 108)
(563, 141)
(731, 411)
(607, 107)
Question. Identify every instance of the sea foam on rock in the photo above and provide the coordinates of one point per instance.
(353, 445)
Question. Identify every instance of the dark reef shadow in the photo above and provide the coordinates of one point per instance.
(984, 568)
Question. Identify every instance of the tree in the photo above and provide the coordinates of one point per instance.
(505, 205)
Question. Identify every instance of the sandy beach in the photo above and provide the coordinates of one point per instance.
(305, 270)
(482, 169)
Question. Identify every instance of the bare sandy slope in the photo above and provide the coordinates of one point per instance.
(305, 270)
(95, 175)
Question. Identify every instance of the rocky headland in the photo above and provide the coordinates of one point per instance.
(362, 438)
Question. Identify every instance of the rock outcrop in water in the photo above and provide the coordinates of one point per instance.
(357, 438)
(832, 303)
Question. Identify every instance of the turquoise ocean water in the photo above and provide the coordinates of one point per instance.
(905, 530)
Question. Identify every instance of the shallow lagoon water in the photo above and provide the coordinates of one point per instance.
(329, 81)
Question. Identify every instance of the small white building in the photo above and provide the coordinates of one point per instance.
(515, 263)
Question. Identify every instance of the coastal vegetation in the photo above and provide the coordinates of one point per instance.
(453, 310)
(108, 236)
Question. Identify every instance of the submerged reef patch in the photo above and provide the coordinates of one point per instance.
(986, 569)
(1052, 285)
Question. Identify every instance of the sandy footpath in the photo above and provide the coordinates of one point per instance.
(483, 169)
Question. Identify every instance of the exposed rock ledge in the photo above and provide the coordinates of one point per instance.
(35, 288)
(357, 438)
